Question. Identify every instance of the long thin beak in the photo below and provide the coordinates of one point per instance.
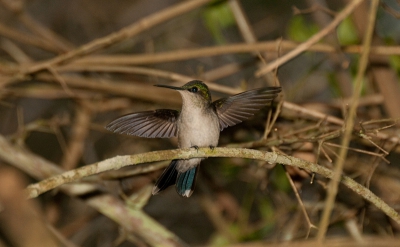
(170, 87)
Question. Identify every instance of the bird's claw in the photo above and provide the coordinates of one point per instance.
(196, 147)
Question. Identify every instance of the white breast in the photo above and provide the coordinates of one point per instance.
(198, 128)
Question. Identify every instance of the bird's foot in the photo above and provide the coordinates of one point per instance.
(196, 147)
(212, 147)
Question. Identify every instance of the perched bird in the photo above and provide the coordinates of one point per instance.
(198, 124)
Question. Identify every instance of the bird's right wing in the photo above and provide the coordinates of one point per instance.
(237, 108)
(151, 124)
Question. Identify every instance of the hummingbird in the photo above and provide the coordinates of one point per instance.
(198, 124)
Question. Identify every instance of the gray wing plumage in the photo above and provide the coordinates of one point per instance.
(151, 124)
(237, 108)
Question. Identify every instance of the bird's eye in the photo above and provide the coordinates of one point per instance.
(193, 89)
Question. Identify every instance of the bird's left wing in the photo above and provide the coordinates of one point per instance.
(152, 124)
(237, 108)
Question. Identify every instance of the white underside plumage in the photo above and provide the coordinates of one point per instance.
(196, 127)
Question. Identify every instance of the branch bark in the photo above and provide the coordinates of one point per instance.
(118, 162)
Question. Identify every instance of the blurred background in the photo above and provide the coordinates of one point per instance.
(67, 68)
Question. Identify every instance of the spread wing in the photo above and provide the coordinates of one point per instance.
(237, 108)
(152, 124)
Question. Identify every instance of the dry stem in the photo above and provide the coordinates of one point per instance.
(333, 185)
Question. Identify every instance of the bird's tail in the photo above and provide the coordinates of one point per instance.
(167, 178)
(186, 181)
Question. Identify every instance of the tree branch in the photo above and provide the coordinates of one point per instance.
(118, 162)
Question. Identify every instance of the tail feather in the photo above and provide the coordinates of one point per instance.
(186, 182)
(167, 178)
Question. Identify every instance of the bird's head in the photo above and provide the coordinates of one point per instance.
(194, 92)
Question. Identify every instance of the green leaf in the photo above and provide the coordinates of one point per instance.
(216, 18)
(299, 30)
(347, 33)
(395, 62)
(279, 179)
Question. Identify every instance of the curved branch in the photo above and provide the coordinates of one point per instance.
(118, 162)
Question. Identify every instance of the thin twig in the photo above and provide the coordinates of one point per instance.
(313, 113)
(25, 38)
(186, 54)
(247, 33)
(390, 10)
(312, 9)
(271, 123)
(126, 88)
(355, 149)
(56, 41)
(333, 185)
(146, 71)
(368, 139)
(79, 132)
(61, 80)
(303, 209)
(314, 39)
(123, 34)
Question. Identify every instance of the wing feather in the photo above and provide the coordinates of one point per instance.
(151, 124)
(237, 108)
